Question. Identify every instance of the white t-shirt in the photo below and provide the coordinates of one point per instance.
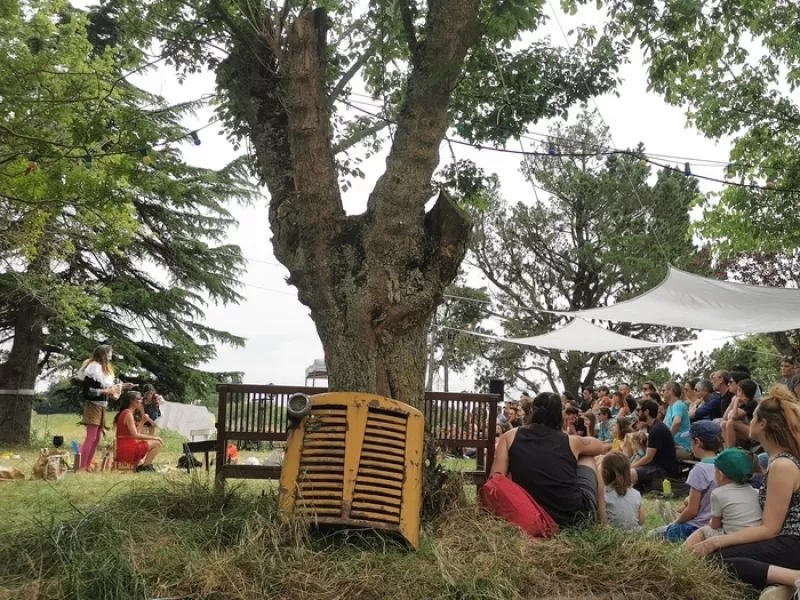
(623, 511)
(737, 505)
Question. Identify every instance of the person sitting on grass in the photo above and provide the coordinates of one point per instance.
(696, 511)
(575, 424)
(619, 430)
(734, 504)
(556, 469)
(624, 507)
(635, 446)
(736, 427)
(659, 459)
(619, 408)
(134, 447)
(604, 425)
(770, 553)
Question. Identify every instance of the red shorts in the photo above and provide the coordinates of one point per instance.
(131, 451)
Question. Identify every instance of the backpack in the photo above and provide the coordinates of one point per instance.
(511, 502)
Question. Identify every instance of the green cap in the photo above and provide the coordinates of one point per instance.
(735, 464)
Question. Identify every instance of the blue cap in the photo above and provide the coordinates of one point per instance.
(706, 431)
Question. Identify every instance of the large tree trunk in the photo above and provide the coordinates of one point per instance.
(371, 281)
(18, 374)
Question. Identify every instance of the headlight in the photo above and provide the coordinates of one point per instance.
(299, 406)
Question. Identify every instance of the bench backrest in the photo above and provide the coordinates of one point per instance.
(455, 420)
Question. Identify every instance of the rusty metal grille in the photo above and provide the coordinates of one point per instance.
(381, 470)
(321, 477)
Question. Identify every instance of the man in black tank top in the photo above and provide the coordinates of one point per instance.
(557, 470)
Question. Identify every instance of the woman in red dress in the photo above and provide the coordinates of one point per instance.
(134, 447)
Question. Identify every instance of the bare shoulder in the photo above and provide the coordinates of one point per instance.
(784, 467)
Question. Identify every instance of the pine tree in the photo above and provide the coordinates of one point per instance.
(107, 232)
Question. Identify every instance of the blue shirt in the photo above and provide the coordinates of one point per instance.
(710, 410)
(604, 430)
(678, 409)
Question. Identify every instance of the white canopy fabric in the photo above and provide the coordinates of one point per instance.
(688, 300)
(581, 336)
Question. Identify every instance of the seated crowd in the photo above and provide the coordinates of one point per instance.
(740, 443)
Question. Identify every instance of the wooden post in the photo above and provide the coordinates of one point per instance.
(222, 437)
(497, 387)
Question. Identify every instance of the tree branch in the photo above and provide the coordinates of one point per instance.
(360, 135)
(350, 73)
(408, 26)
(452, 28)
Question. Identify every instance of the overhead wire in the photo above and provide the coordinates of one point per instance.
(533, 136)
(611, 152)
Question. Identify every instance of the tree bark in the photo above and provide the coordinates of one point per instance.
(19, 372)
(371, 281)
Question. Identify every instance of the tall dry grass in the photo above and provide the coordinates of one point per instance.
(181, 540)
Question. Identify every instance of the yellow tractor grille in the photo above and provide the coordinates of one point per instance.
(321, 477)
(381, 471)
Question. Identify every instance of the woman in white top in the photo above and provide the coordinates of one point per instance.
(98, 385)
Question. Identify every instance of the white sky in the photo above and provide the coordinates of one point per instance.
(282, 339)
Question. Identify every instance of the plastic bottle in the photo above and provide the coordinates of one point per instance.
(666, 486)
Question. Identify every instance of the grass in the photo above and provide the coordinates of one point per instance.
(140, 537)
(171, 536)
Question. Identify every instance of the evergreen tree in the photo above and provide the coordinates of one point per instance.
(107, 232)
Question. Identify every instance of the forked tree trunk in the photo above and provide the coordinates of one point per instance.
(18, 374)
(372, 281)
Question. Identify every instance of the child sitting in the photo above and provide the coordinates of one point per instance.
(636, 445)
(706, 439)
(734, 504)
(619, 429)
(604, 424)
(623, 503)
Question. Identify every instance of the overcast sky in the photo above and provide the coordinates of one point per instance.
(281, 338)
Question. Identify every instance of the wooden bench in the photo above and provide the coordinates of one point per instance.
(258, 413)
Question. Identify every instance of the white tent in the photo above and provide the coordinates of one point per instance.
(581, 336)
(687, 300)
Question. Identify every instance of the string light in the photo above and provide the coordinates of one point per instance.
(87, 160)
(195, 138)
(32, 167)
(552, 150)
(145, 157)
(687, 170)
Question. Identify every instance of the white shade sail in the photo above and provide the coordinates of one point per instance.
(581, 336)
(687, 300)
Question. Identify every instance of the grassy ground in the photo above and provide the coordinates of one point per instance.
(168, 535)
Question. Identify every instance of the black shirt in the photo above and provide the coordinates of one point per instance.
(750, 407)
(727, 397)
(660, 438)
(541, 461)
(580, 426)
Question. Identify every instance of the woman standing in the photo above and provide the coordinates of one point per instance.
(133, 446)
(97, 376)
(770, 553)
